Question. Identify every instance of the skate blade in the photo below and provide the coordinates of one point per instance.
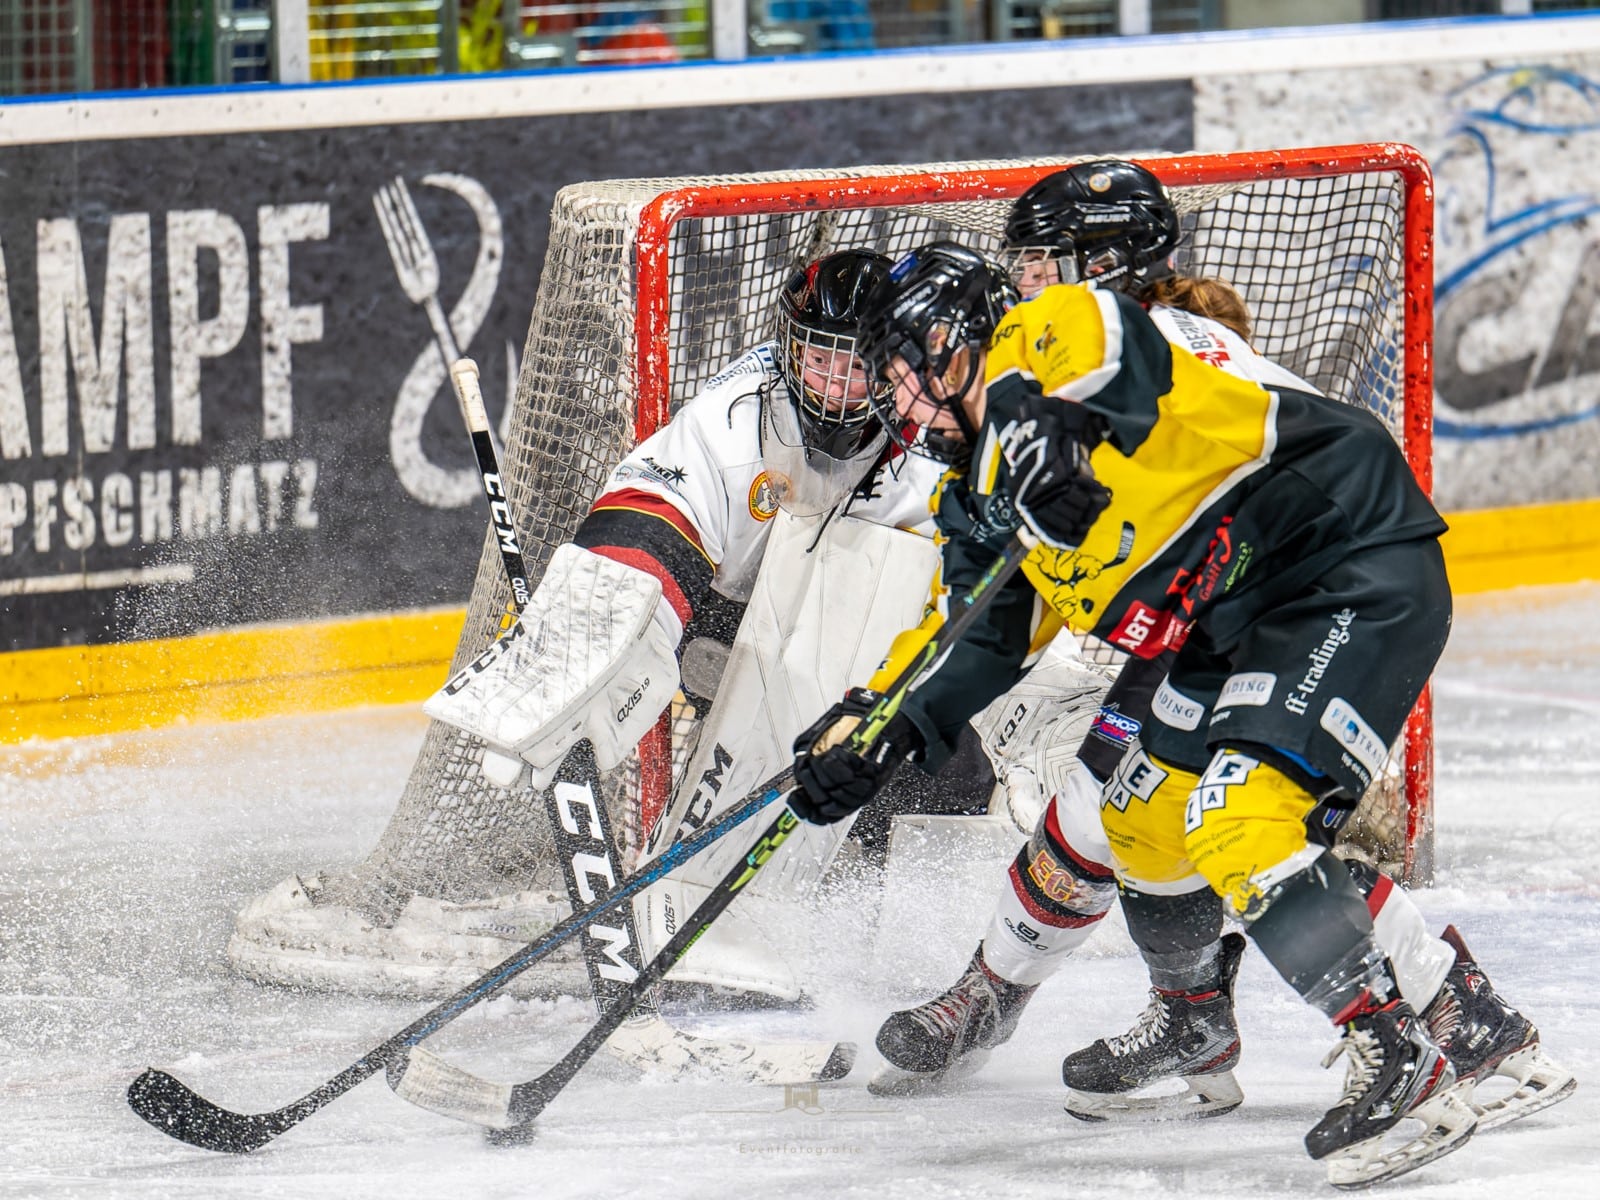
(1449, 1121)
(1205, 1096)
(890, 1080)
(1540, 1082)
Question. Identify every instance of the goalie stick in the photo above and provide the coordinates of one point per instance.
(587, 851)
(510, 1110)
(180, 1112)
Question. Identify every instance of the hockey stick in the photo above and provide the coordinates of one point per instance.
(509, 1110)
(180, 1112)
(610, 954)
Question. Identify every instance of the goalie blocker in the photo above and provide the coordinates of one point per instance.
(592, 656)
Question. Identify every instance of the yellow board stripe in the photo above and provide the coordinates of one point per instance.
(1488, 550)
(233, 674)
(400, 658)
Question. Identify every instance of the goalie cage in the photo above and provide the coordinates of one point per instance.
(648, 288)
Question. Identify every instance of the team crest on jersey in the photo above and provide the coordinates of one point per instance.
(763, 498)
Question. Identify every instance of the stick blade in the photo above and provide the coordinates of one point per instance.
(180, 1112)
(438, 1085)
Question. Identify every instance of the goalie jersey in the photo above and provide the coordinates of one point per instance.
(693, 503)
(1231, 489)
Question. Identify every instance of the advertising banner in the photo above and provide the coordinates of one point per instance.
(223, 391)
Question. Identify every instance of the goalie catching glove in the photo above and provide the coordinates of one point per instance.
(1046, 443)
(834, 781)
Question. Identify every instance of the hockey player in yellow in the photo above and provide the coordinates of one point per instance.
(1273, 539)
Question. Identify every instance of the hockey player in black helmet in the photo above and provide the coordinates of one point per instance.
(1112, 223)
(1109, 221)
(1142, 469)
(953, 299)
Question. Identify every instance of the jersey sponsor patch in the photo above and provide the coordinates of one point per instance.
(1358, 738)
(1173, 708)
(1137, 777)
(1147, 632)
(763, 498)
(1248, 687)
(1231, 769)
(1115, 727)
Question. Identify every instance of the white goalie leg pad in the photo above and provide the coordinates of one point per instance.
(593, 656)
(1032, 733)
(1420, 960)
(823, 609)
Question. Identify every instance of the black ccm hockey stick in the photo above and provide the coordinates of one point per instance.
(584, 843)
(178, 1111)
(510, 1110)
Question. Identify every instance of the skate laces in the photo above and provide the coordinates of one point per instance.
(1149, 1029)
(948, 1015)
(1445, 1017)
(1365, 1054)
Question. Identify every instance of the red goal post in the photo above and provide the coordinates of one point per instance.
(653, 343)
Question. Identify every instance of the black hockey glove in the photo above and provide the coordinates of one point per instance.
(833, 780)
(1046, 442)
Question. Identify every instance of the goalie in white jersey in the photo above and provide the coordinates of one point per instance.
(776, 487)
(1111, 222)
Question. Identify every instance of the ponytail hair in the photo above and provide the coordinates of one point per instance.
(1204, 297)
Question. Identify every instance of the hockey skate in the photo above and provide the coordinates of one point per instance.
(1394, 1071)
(1485, 1037)
(949, 1037)
(1184, 1036)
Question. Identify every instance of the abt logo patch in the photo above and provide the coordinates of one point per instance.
(1211, 793)
(1137, 778)
(1146, 632)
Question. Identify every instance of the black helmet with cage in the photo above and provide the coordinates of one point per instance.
(818, 311)
(936, 301)
(820, 433)
(1108, 220)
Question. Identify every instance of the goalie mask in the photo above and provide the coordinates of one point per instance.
(937, 301)
(819, 431)
(1108, 221)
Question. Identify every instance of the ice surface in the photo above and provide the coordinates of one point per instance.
(125, 858)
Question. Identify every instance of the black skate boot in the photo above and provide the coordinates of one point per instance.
(950, 1036)
(1187, 1036)
(1485, 1037)
(1394, 1071)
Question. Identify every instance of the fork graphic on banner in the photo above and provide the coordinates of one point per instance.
(416, 268)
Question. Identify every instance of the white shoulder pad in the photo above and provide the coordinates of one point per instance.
(586, 659)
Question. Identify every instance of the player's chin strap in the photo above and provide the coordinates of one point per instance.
(511, 1109)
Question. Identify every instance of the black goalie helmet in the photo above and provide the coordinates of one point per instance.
(937, 300)
(1109, 220)
(820, 432)
(818, 311)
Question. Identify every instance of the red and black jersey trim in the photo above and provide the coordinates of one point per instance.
(647, 533)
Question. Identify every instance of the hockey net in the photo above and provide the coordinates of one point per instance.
(651, 286)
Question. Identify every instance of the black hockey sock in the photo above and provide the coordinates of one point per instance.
(1316, 931)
